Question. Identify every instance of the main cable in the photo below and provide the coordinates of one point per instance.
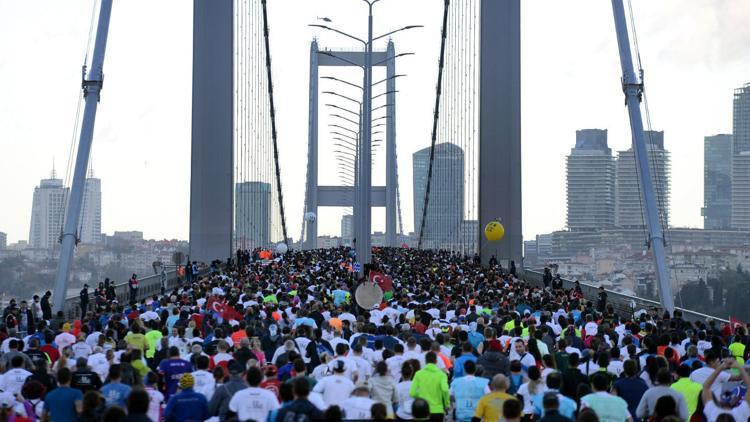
(436, 114)
(273, 123)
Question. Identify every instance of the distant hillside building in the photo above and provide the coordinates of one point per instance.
(252, 214)
(590, 172)
(47, 213)
(741, 159)
(445, 212)
(629, 211)
(717, 182)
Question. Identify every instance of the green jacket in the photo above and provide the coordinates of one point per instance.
(431, 384)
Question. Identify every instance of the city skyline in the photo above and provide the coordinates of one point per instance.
(137, 166)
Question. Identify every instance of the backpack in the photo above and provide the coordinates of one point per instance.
(515, 383)
(30, 408)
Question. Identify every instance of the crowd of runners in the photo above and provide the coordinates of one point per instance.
(280, 338)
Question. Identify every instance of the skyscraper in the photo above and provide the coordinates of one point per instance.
(3, 240)
(628, 198)
(717, 182)
(48, 212)
(91, 211)
(445, 211)
(252, 214)
(591, 182)
(741, 159)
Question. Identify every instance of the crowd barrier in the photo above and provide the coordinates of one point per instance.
(624, 305)
(147, 286)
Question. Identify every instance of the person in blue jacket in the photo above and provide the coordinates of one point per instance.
(187, 405)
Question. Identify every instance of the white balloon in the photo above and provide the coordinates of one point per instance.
(310, 217)
(281, 248)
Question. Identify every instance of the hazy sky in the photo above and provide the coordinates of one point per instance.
(695, 53)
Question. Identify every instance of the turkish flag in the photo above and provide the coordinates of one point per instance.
(212, 300)
(225, 311)
(230, 313)
(385, 282)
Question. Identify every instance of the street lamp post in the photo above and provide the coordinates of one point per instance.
(363, 225)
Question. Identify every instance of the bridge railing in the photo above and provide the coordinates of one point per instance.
(622, 303)
(147, 286)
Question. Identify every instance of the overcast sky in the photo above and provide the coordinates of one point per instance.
(695, 53)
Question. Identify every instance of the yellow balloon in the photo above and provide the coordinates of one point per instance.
(494, 231)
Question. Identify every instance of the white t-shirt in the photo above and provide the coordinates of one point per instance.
(13, 380)
(253, 403)
(740, 413)
(528, 402)
(528, 360)
(350, 367)
(405, 400)
(394, 366)
(81, 350)
(64, 340)
(99, 364)
(591, 328)
(154, 404)
(592, 368)
(334, 389)
(205, 383)
(358, 408)
(616, 367)
(700, 376)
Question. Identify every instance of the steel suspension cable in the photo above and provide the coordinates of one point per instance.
(273, 122)
(436, 114)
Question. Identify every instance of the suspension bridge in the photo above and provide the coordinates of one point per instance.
(469, 175)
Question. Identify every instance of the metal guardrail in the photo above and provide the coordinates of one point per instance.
(147, 286)
(621, 302)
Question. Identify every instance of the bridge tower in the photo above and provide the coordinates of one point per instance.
(212, 146)
(500, 127)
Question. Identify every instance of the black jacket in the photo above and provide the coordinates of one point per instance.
(571, 378)
(46, 308)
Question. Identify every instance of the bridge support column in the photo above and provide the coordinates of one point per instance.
(500, 128)
(311, 192)
(212, 160)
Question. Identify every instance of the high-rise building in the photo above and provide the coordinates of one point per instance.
(48, 213)
(445, 211)
(91, 211)
(347, 228)
(252, 214)
(3, 241)
(717, 182)
(629, 206)
(741, 159)
(591, 182)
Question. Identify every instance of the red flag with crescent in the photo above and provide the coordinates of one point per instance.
(385, 282)
(225, 310)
